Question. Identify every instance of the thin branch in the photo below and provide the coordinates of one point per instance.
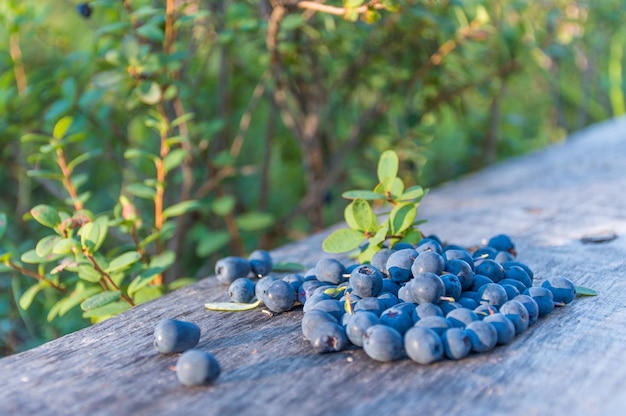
(35, 276)
(338, 11)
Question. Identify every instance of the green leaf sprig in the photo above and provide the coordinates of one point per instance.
(370, 229)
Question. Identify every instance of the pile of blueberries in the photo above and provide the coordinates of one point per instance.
(428, 302)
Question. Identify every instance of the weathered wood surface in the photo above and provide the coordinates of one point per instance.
(568, 363)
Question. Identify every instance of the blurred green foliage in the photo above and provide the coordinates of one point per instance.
(251, 118)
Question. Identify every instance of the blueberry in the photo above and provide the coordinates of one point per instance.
(280, 296)
(483, 336)
(543, 297)
(332, 306)
(456, 343)
(439, 324)
(172, 336)
(379, 259)
(446, 306)
(459, 254)
(294, 279)
(519, 274)
(461, 317)
(518, 314)
(504, 257)
(531, 306)
(563, 290)
(452, 286)
(389, 286)
(388, 299)
(485, 309)
(493, 294)
(502, 242)
(429, 244)
(423, 345)
(357, 324)
(402, 245)
(230, 268)
(330, 270)
(484, 253)
(511, 291)
(261, 286)
(490, 268)
(504, 327)
(468, 302)
(524, 266)
(383, 343)
(399, 264)
(426, 309)
(197, 368)
(260, 262)
(366, 281)
(426, 288)
(397, 318)
(428, 262)
(521, 287)
(329, 337)
(84, 9)
(241, 290)
(405, 295)
(462, 270)
(478, 282)
(313, 319)
(370, 304)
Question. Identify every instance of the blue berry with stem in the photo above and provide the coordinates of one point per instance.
(519, 274)
(459, 254)
(399, 264)
(462, 270)
(379, 259)
(313, 319)
(452, 285)
(428, 262)
(531, 306)
(260, 262)
(502, 242)
(493, 294)
(461, 317)
(490, 268)
(423, 345)
(261, 286)
(518, 314)
(426, 288)
(543, 297)
(197, 368)
(330, 270)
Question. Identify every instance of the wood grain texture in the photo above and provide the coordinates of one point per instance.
(570, 362)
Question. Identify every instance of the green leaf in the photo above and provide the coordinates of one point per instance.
(34, 137)
(3, 224)
(46, 216)
(103, 228)
(88, 273)
(388, 165)
(29, 295)
(44, 174)
(401, 217)
(149, 93)
(180, 209)
(139, 154)
(212, 242)
(141, 191)
(343, 240)
(61, 127)
(396, 188)
(99, 300)
(77, 297)
(163, 260)
(231, 306)
(32, 257)
(379, 237)
(83, 158)
(182, 119)
(361, 217)
(224, 205)
(46, 245)
(108, 79)
(412, 237)
(123, 261)
(174, 159)
(255, 220)
(143, 279)
(585, 291)
(89, 236)
(288, 267)
(65, 246)
(151, 32)
(412, 194)
(367, 195)
(106, 311)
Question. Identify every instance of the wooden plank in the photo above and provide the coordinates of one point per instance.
(567, 363)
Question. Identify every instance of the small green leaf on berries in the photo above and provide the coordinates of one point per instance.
(585, 291)
(231, 306)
